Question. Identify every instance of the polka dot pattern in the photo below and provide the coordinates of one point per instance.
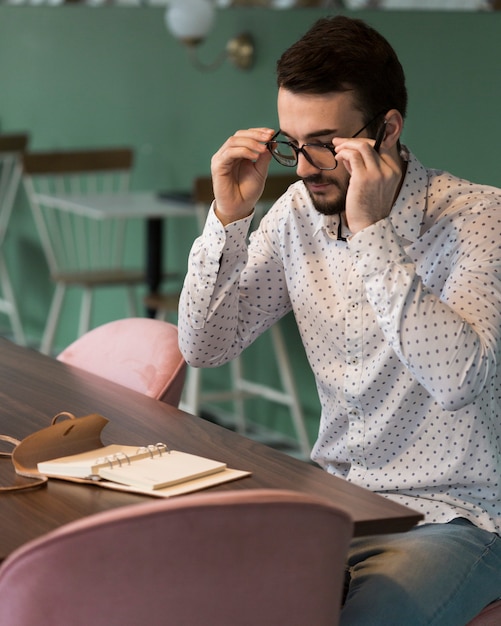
(401, 325)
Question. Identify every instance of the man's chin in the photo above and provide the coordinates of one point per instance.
(326, 207)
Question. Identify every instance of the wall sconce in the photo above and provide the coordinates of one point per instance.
(191, 20)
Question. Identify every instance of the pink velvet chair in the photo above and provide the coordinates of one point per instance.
(139, 353)
(234, 558)
(490, 616)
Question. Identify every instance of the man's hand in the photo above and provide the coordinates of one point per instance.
(239, 169)
(374, 180)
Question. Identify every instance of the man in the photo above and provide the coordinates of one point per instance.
(393, 272)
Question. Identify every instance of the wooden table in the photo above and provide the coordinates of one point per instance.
(34, 387)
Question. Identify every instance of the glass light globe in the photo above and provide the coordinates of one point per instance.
(190, 20)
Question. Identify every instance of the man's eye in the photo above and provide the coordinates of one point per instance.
(321, 144)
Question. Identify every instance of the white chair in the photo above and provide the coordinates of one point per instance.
(242, 386)
(11, 148)
(81, 252)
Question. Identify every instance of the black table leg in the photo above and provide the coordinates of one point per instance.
(154, 256)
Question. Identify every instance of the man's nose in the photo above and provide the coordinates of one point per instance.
(304, 168)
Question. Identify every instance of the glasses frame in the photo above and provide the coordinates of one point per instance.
(302, 149)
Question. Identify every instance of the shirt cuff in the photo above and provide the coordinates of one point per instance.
(225, 239)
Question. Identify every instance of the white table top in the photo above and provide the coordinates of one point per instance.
(134, 204)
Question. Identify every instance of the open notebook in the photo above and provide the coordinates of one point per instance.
(151, 468)
(72, 450)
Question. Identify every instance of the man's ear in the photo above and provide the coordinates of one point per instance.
(394, 128)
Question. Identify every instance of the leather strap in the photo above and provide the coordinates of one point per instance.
(85, 434)
(37, 480)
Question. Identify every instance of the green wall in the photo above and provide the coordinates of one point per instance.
(76, 76)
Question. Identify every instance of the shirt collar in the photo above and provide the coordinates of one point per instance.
(408, 210)
(328, 223)
(407, 214)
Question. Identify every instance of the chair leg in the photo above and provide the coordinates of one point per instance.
(191, 396)
(161, 315)
(238, 399)
(85, 311)
(287, 379)
(131, 299)
(52, 319)
(10, 305)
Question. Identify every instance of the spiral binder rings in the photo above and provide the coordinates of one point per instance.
(87, 464)
(151, 467)
(71, 449)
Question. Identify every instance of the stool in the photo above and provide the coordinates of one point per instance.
(242, 388)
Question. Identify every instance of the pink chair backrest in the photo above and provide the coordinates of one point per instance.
(139, 353)
(234, 558)
(490, 616)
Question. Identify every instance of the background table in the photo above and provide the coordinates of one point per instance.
(34, 387)
(133, 205)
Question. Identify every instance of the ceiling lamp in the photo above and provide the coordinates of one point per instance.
(191, 20)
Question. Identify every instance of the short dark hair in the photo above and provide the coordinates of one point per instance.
(341, 54)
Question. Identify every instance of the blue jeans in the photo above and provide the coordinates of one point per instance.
(433, 575)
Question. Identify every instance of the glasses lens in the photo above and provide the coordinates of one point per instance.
(321, 157)
(283, 153)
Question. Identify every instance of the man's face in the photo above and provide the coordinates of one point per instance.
(307, 118)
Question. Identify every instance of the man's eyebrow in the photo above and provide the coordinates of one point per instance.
(324, 132)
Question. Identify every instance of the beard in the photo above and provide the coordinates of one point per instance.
(323, 205)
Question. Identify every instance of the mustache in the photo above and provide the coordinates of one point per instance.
(316, 179)
(320, 179)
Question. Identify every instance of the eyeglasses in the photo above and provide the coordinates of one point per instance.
(320, 155)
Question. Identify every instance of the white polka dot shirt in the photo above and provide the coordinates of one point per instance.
(401, 325)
